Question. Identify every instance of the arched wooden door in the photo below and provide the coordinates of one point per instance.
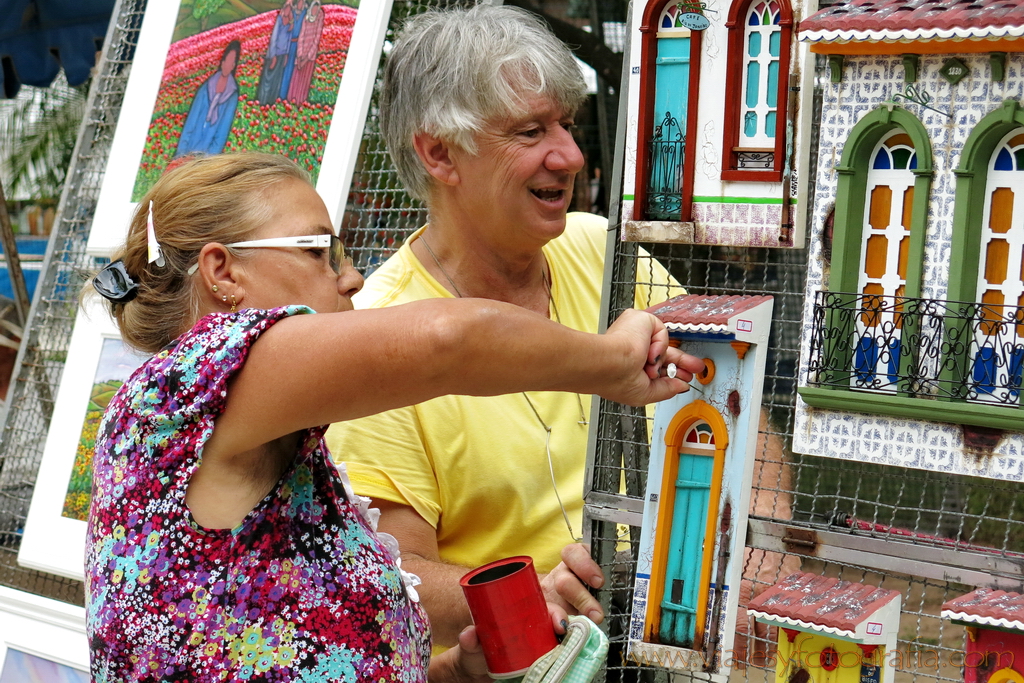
(684, 548)
(670, 70)
(679, 604)
(885, 245)
(1006, 675)
(671, 98)
(998, 353)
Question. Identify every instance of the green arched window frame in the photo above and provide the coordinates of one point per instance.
(968, 211)
(968, 214)
(968, 218)
(851, 200)
(852, 189)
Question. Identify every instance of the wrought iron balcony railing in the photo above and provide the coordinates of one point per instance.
(923, 348)
(665, 170)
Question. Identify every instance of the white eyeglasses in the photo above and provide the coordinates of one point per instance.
(334, 245)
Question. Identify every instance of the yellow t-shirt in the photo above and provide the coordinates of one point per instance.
(476, 468)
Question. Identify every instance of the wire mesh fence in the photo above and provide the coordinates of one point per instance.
(972, 522)
(932, 536)
(44, 347)
(926, 510)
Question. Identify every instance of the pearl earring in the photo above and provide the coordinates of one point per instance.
(215, 288)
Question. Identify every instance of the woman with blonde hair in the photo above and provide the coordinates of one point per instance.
(222, 542)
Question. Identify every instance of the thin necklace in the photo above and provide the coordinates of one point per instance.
(437, 263)
(547, 429)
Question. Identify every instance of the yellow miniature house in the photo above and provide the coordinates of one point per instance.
(830, 631)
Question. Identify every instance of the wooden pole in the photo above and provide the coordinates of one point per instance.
(21, 300)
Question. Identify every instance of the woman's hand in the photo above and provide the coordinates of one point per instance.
(644, 379)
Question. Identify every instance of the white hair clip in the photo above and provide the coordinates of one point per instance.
(154, 247)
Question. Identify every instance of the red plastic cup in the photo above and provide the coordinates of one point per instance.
(510, 614)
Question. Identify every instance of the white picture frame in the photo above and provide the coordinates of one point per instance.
(41, 627)
(53, 542)
(115, 206)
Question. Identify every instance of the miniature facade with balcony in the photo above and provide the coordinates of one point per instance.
(914, 323)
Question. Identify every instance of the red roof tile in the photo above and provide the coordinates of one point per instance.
(700, 309)
(822, 601)
(916, 19)
(989, 607)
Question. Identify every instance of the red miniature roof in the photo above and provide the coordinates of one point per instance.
(987, 607)
(819, 601)
(704, 312)
(915, 20)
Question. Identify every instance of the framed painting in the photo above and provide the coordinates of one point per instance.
(41, 640)
(213, 76)
(98, 363)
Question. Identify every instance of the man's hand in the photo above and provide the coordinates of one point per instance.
(462, 664)
(566, 585)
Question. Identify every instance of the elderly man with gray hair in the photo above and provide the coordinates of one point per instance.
(477, 111)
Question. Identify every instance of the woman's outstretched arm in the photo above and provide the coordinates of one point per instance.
(311, 370)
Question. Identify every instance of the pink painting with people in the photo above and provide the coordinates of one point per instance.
(264, 82)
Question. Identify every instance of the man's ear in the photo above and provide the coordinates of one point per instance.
(435, 155)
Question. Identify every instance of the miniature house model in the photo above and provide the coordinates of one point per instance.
(995, 634)
(830, 631)
(698, 485)
(712, 126)
(914, 318)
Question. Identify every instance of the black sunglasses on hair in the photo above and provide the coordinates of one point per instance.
(115, 284)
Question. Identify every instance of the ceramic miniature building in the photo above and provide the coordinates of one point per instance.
(914, 321)
(995, 634)
(830, 630)
(713, 125)
(698, 485)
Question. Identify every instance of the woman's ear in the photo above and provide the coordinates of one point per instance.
(219, 271)
(435, 155)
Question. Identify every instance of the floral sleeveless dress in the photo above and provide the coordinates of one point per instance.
(302, 590)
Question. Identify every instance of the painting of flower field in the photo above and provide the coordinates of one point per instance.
(116, 364)
(256, 75)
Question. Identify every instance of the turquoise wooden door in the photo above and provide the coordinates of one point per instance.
(686, 547)
(671, 97)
